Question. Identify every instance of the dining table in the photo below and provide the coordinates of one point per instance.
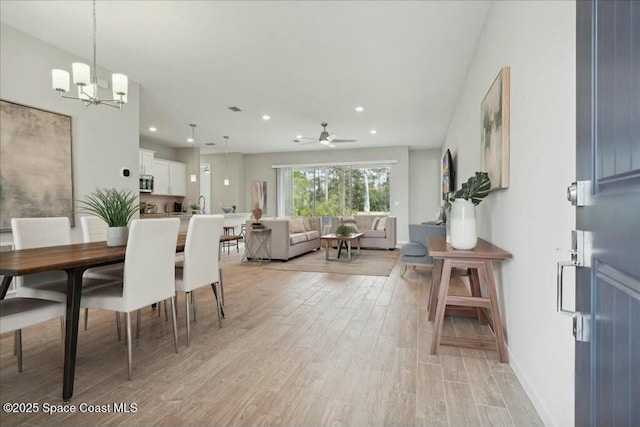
(74, 259)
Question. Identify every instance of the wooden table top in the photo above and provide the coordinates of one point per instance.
(37, 260)
(439, 249)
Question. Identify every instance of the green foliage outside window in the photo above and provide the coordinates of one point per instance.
(335, 191)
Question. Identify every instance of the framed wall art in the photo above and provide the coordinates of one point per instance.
(36, 174)
(448, 175)
(494, 115)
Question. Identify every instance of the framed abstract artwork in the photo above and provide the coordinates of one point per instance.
(36, 174)
(494, 116)
(448, 174)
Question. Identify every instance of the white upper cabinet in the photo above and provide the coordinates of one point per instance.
(146, 162)
(169, 178)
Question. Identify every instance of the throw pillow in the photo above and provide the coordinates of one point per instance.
(307, 224)
(382, 223)
(374, 224)
(348, 219)
(296, 225)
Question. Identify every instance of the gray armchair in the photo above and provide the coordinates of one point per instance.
(415, 252)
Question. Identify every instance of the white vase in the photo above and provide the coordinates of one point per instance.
(463, 225)
(117, 236)
(447, 225)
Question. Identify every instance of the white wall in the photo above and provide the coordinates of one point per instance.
(104, 139)
(424, 185)
(532, 218)
(161, 151)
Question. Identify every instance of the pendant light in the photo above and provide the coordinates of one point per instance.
(194, 177)
(226, 146)
(88, 84)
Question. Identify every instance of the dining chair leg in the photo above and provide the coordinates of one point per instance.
(173, 320)
(86, 318)
(118, 327)
(216, 286)
(127, 320)
(195, 303)
(62, 335)
(166, 316)
(187, 299)
(15, 344)
(138, 322)
(159, 306)
(18, 337)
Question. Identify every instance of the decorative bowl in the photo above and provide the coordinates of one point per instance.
(227, 209)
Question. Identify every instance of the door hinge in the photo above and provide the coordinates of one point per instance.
(579, 193)
(582, 327)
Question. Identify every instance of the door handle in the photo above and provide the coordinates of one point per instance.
(559, 287)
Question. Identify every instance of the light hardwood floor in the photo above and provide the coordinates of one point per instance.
(295, 349)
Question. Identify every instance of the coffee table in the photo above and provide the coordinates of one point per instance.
(347, 241)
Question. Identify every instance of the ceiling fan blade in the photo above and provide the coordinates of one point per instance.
(298, 142)
(343, 140)
(331, 137)
(331, 145)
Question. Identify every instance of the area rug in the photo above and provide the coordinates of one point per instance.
(368, 263)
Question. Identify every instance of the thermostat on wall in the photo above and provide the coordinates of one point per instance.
(125, 173)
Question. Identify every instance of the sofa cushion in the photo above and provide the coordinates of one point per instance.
(350, 221)
(313, 234)
(296, 225)
(382, 223)
(374, 223)
(414, 249)
(297, 238)
(375, 233)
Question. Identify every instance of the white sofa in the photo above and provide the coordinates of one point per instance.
(382, 237)
(287, 241)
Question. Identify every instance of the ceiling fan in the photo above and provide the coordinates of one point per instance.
(324, 139)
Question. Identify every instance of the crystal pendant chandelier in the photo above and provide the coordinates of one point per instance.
(87, 84)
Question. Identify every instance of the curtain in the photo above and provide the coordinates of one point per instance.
(284, 188)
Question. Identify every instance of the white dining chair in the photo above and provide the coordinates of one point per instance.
(200, 265)
(94, 229)
(19, 313)
(43, 232)
(149, 275)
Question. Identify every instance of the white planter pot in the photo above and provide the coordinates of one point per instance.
(463, 225)
(117, 236)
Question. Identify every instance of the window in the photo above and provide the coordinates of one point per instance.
(335, 191)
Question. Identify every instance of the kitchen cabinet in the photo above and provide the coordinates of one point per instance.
(169, 178)
(146, 162)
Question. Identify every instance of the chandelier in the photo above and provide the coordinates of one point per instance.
(87, 84)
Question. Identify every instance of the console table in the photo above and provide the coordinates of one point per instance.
(477, 260)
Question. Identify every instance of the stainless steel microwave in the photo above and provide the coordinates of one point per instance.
(146, 183)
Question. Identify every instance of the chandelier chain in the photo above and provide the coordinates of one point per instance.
(95, 37)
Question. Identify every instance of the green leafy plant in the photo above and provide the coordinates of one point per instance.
(475, 189)
(344, 230)
(194, 207)
(115, 207)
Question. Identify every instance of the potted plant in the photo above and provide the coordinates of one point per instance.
(194, 208)
(463, 216)
(116, 208)
(344, 230)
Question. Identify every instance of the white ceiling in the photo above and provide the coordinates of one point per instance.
(301, 62)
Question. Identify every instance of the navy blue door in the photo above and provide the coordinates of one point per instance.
(608, 156)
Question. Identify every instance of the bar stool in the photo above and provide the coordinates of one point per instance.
(229, 230)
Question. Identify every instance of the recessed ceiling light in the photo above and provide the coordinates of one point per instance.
(266, 117)
(373, 131)
(152, 128)
(359, 109)
(189, 139)
(298, 136)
